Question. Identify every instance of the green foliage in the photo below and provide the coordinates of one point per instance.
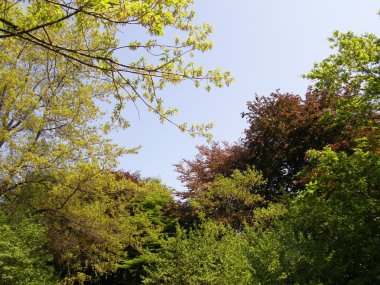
(48, 115)
(96, 222)
(354, 69)
(149, 215)
(64, 206)
(58, 64)
(211, 254)
(87, 227)
(354, 72)
(324, 150)
(233, 199)
(265, 255)
(330, 233)
(342, 203)
(84, 34)
(23, 258)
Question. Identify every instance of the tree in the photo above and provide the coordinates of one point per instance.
(49, 117)
(149, 208)
(58, 64)
(213, 160)
(54, 154)
(211, 254)
(337, 213)
(58, 61)
(232, 200)
(23, 259)
(55, 159)
(97, 223)
(340, 109)
(84, 34)
(354, 68)
(330, 233)
(282, 127)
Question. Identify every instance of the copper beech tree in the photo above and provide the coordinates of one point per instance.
(340, 109)
(213, 160)
(282, 127)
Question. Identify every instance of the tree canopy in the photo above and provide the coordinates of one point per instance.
(294, 201)
(315, 216)
(85, 34)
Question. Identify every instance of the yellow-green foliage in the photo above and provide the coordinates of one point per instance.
(232, 199)
(49, 115)
(84, 33)
(92, 217)
(353, 69)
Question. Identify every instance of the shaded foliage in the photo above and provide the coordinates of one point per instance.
(282, 127)
(23, 257)
(329, 234)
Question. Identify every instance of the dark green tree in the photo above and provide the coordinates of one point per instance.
(210, 254)
(23, 256)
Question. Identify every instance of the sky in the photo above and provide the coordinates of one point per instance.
(267, 45)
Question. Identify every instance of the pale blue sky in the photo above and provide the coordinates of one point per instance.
(266, 45)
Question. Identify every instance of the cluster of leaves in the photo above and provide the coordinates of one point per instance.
(328, 234)
(210, 254)
(341, 107)
(84, 34)
(231, 200)
(282, 127)
(213, 160)
(23, 259)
